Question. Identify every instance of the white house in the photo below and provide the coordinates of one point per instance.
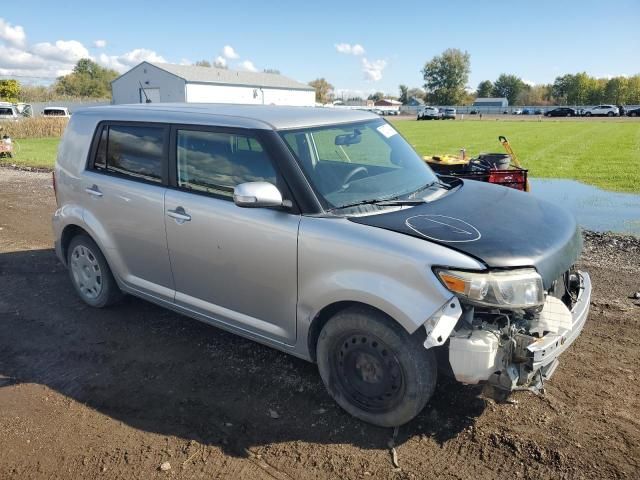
(165, 82)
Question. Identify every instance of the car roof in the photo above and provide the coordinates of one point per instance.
(264, 117)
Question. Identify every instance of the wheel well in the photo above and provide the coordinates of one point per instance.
(68, 233)
(323, 317)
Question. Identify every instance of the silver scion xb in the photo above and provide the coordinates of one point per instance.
(320, 232)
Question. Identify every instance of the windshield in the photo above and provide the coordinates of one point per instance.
(359, 162)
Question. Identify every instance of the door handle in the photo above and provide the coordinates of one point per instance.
(93, 190)
(179, 214)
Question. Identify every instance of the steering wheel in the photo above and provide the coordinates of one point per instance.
(351, 174)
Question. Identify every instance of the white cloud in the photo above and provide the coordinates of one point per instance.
(529, 82)
(220, 62)
(373, 69)
(13, 35)
(130, 59)
(248, 65)
(348, 49)
(62, 51)
(229, 52)
(53, 59)
(357, 49)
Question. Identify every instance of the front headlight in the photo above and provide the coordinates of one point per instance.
(520, 288)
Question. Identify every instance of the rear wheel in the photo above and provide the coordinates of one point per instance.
(610, 114)
(634, 114)
(90, 273)
(373, 368)
(588, 114)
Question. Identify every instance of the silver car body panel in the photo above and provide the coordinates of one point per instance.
(339, 261)
(237, 265)
(266, 274)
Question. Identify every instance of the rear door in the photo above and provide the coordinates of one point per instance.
(232, 265)
(125, 203)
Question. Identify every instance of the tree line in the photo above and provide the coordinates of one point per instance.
(446, 77)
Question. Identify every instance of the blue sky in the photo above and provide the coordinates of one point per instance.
(383, 44)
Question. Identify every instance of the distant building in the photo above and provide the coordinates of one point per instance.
(491, 102)
(164, 82)
(387, 102)
(415, 102)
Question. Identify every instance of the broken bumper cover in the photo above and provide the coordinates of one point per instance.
(546, 350)
(542, 355)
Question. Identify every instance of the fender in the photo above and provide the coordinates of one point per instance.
(344, 261)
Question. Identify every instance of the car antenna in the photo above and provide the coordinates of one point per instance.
(145, 93)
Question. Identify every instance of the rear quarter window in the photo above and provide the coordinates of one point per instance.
(132, 151)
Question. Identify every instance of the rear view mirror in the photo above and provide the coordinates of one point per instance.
(257, 194)
(349, 138)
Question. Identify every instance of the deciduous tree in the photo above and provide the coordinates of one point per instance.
(88, 79)
(484, 89)
(446, 76)
(9, 90)
(324, 90)
(509, 87)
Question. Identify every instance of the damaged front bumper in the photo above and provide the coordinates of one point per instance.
(508, 359)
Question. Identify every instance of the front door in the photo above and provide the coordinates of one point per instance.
(234, 265)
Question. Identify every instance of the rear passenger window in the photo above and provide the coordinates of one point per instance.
(131, 150)
(216, 162)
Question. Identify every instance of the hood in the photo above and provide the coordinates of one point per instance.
(501, 227)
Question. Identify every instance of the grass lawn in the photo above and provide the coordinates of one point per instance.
(34, 152)
(602, 153)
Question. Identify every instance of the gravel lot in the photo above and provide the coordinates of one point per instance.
(136, 391)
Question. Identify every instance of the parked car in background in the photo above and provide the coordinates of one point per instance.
(449, 114)
(633, 113)
(517, 111)
(474, 111)
(601, 111)
(60, 112)
(358, 258)
(561, 112)
(527, 111)
(429, 113)
(377, 111)
(8, 111)
(391, 112)
(538, 111)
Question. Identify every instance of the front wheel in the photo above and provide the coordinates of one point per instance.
(588, 114)
(610, 114)
(373, 368)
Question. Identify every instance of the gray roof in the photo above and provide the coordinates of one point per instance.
(263, 117)
(193, 73)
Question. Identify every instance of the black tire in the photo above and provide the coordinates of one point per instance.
(588, 114)
(633, 114)
(373, 368)
(610, 114)
(106, 292)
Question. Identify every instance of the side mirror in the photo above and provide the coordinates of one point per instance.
(257, 194)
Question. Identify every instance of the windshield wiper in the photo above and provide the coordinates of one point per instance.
(384, 203)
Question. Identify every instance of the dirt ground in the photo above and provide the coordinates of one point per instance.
(116, 393)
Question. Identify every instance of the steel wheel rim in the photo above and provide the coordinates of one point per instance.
(86, 272)
(369, 372)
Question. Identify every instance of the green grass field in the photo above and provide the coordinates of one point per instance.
(600, 153)
(34, 152)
